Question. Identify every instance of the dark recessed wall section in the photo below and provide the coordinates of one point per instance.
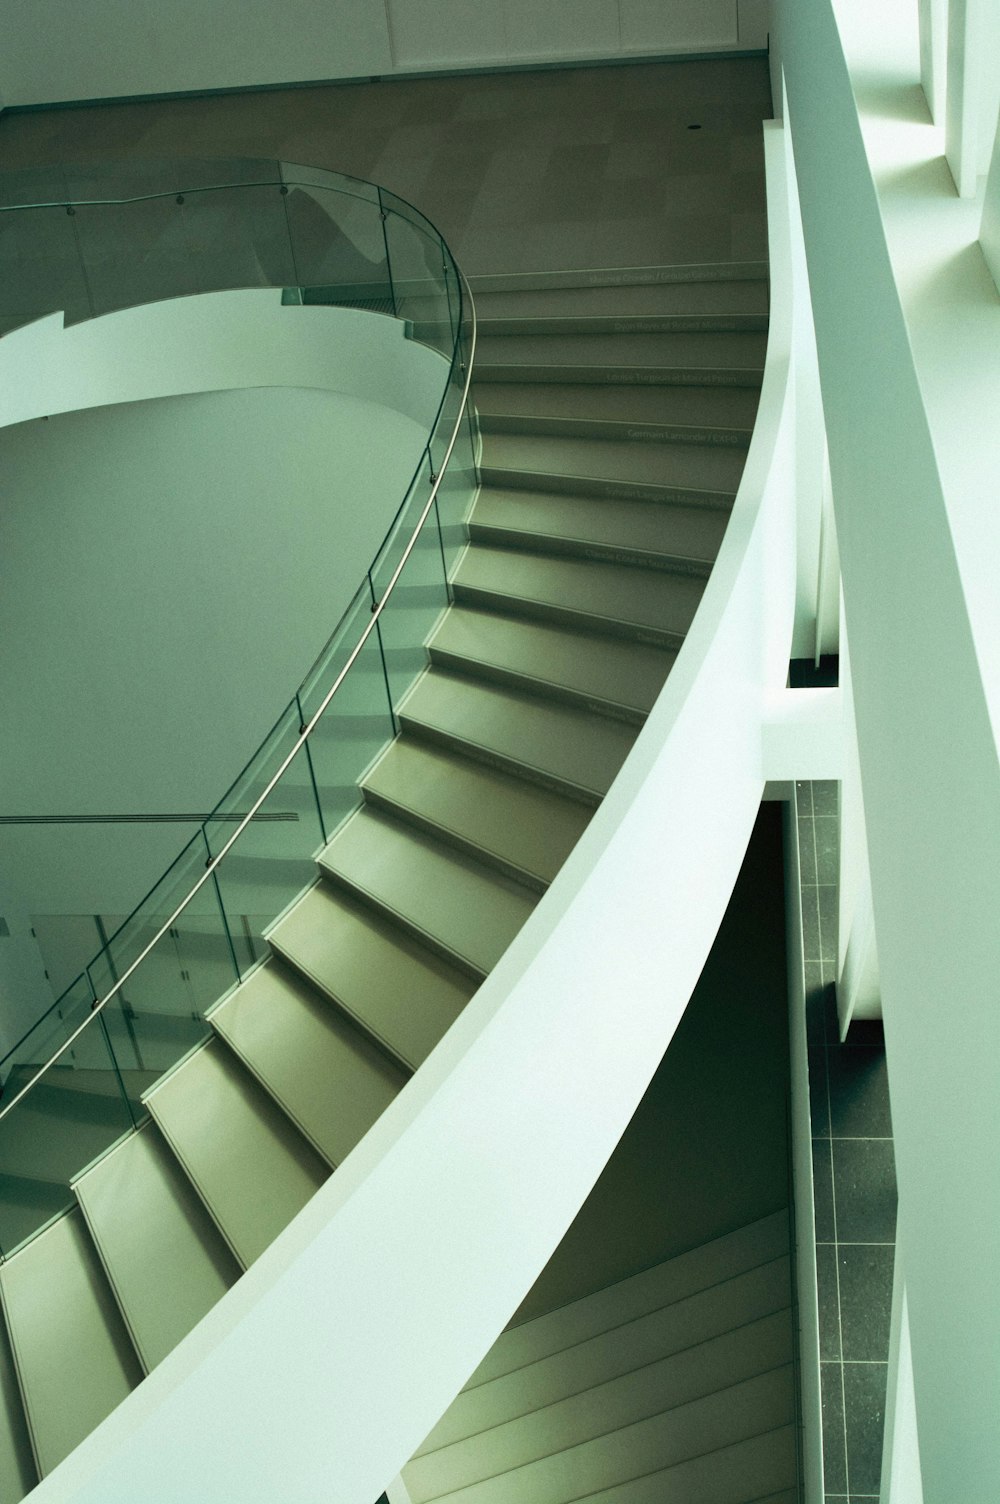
(707, 1150)
(803, 673)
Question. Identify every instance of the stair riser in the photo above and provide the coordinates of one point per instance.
(625, 1398)
(451, 838)
(564, 616)
(622, 375)
(658, 1442)
(606, 490)
(594, 428)
(574, 548)
(626, 276)
(491, 673)
(489, 759)
(662, 323)
(422, 937)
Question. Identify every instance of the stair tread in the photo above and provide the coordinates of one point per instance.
(618, 372)
(611, 669)
(693, 406)
(745, 1472)
(470, 910)
(400, 992)
(648, 1337)
(250, 1165)
(764, 1402)
(582, 751)
(166, 1260)
(695, 467)
(749, 296)
(675, 1279)
(640, 599)
(18, 1474)
(744, 351)
(532, 829)
(618, 1401)
(73, 1354)
(674, 531)
(321, 1070)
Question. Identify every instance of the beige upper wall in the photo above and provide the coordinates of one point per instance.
(122, 48)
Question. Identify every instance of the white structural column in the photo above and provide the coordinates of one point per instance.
(933, 55)
(929, 769)
(858, 993)
(973, 90)
(989, 233)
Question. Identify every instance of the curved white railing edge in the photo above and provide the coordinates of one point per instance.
(322, 1370)
(207, 342)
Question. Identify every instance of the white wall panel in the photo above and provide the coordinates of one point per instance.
(61, 50)
(558, 28)
(754, 20)
(666, 25)
(436, 33)
(989, 232)
(56, 50)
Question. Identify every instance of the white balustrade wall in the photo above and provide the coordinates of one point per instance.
(322, 1370)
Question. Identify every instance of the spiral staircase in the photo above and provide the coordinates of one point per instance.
(615, 413)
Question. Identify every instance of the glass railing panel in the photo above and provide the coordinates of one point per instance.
(420, 594)
(73, 1113)
(180, 244)
(457, 488)
(338, 247)
(357, 725)
(139, 177)
(274, 857)
(47, 1037)
(41, 269)
(334, 243)
(420, 287)
(327, 180)
(155, 1016)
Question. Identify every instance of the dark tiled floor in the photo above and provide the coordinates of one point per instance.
(567, 168)
(854, 1182)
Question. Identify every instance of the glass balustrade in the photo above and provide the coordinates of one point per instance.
(76, 1082)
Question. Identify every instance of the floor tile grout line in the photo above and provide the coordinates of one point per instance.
(857, 1138)
(849, 1243)
(833, 1199)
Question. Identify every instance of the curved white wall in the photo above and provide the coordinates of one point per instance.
(170, 567)
(320, 1372)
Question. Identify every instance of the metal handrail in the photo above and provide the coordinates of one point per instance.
(180, 193)
(262, 182)
(307, 729)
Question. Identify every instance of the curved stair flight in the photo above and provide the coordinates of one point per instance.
(671, 1387)
(615, 413)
